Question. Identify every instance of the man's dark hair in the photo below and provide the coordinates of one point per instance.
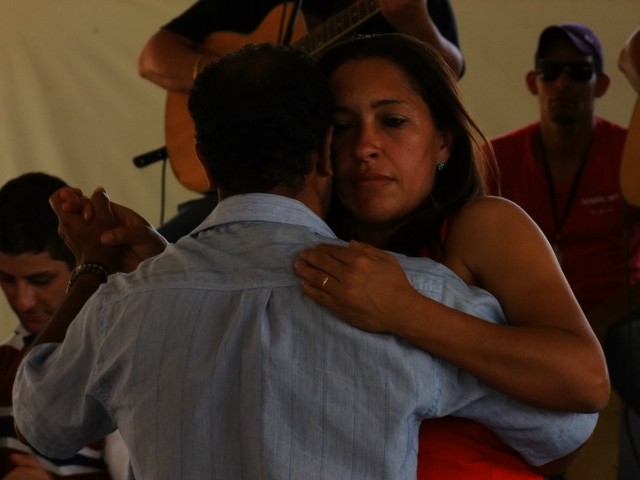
(259, 113)
(27, 222)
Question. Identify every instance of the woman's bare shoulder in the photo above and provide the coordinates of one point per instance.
(490, 211)
(487, 231)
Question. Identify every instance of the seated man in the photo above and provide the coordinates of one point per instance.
(35, 265)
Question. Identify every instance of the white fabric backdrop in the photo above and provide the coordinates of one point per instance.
(74, 106)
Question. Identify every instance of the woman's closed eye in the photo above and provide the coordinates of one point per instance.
(394, 122)
(340, 126)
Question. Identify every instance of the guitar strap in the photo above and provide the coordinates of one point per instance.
(292, 21)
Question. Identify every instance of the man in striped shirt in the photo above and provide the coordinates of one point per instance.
(35, 265)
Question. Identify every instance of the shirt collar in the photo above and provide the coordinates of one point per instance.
(264, 207)
(25, 335)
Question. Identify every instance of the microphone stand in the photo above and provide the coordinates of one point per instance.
(292, 21)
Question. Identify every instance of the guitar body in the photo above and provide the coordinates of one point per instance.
(179, 127)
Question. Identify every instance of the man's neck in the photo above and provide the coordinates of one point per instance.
(314, 198)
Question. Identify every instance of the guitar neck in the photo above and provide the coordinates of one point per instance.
(339, 25)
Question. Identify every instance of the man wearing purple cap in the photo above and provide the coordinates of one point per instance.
(564, 171)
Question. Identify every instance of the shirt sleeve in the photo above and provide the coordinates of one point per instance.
(443, 17)
(55, 406)
(540, 436)
(195, 22)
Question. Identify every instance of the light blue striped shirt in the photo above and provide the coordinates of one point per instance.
(213, 364)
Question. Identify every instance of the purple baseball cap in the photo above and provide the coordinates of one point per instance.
(580, 36)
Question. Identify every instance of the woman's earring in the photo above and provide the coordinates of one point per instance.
(441, 166)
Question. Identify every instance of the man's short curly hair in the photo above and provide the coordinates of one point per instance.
(259, 114)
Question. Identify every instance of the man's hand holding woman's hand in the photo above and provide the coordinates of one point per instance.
(97, 230)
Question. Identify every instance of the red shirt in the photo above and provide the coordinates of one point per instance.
(591, 240)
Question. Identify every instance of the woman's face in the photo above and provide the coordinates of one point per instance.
(385, 145)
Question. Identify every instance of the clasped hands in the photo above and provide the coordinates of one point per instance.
(98, 230)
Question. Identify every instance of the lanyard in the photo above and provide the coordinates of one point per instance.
(559, 221)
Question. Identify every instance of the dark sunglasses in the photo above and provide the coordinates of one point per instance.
(549, 71)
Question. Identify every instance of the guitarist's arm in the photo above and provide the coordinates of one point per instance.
(412, 17)
(172, 61)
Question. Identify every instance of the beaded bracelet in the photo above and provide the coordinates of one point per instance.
(94, 268)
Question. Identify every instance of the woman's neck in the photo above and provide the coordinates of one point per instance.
(377, 236)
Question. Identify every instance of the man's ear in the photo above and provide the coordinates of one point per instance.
(602, 84)
(531, 81)
(446, 146)
(324, 166)
(207, 168)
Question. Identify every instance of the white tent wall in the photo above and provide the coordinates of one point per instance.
(74, 106)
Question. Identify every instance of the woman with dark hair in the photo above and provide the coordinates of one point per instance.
(410, 168)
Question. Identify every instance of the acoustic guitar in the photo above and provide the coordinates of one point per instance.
(179, 128)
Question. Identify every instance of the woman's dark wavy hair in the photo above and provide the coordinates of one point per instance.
(259, 114)
(28, 224)
(471, 158)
